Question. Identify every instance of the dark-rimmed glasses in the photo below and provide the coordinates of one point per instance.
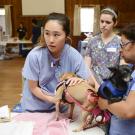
(125, 44)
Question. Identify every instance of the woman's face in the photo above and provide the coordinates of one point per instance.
(54, 37)
(127, 50)
(106, 23)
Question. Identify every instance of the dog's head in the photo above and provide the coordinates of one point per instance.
(121, 73)
(116, 85)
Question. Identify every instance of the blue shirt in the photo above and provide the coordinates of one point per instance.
(120, 126)
(42, 67)
(36, 32)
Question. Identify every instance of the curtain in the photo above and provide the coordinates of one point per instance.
(96, 19)
(76, 27)
(8, 22)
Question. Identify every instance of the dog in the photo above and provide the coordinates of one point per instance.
(79, 94)
(115, 87)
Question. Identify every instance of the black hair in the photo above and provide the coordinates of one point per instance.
(34, 21)
(129, 31)
(63, 20)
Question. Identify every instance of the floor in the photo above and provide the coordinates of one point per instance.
(10, 81)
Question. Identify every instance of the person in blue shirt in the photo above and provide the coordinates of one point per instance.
(36, 32)
(46, 62)
(123, 118)
(21, 33)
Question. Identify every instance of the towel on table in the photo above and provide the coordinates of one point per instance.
(45, 123)
(16, 128)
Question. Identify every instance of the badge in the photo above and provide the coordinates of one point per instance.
(111, 49)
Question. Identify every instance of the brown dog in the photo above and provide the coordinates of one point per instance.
(78, 95)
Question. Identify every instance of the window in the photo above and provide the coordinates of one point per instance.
(2, 11)
(87, 19)
(2, 18)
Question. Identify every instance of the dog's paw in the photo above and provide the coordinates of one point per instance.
(57, 118)
(77, 130)
(72, 120)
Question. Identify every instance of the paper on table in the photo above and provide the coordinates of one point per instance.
(5, 114)
(17, 128)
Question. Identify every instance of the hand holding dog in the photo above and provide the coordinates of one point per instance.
(51, 99)
(74, 80)
(103, 103)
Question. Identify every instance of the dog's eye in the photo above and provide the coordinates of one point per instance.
(125, 73)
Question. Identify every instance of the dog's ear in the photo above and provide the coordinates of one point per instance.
(113, 69)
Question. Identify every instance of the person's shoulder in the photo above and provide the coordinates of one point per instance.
(72, 50)
(72, 53)
(117, 37)
(37, 51)
(95, 38)
(117, 40)
(36, 54)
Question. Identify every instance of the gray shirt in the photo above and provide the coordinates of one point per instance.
(103, 56)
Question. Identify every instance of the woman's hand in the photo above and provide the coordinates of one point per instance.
(103, 103)
(74, 80)
(51, 99)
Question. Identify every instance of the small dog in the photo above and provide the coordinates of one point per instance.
(115, 87)
(76, 94)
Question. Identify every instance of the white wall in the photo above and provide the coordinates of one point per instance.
(42, 7)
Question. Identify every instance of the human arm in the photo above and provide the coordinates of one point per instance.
(74, 80)
(124, 109)
(87, 60)
(31, 72)
(87, 57)
(33, 85)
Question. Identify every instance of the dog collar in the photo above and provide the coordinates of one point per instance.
(115, 91)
